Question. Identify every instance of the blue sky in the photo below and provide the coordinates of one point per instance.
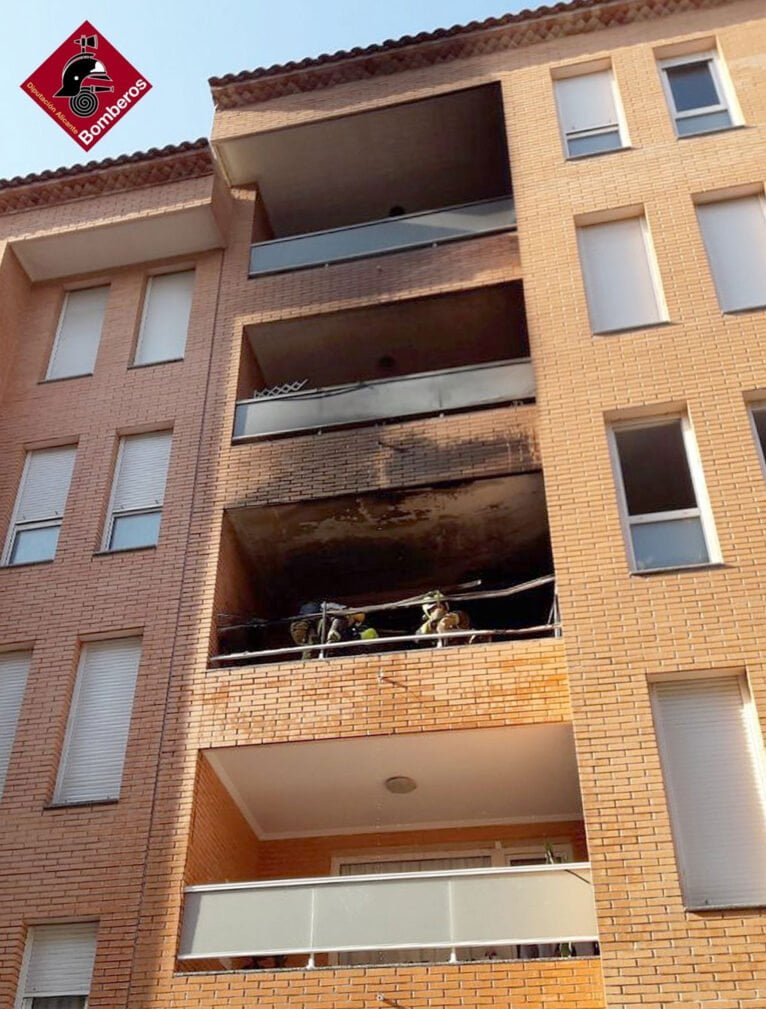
(177, 46)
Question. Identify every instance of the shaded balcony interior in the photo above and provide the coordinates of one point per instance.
(443, 353)
(383, 555)
(413, 174)
(389, 849)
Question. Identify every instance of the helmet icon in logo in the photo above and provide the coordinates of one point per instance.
(82, 77)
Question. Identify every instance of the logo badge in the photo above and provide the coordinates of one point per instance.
(86, 86)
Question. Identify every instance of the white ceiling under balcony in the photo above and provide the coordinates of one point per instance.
(131, 239)
(471, 777)
(435, 152)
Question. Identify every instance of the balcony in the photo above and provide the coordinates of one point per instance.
(380, 181)
(449, 352)
(376, 238)
(508, 910)
(466, 562)
(387, 850)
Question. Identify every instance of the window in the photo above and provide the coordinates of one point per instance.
(588, 115)
(758, 416)
(166, 318)
(734, 233)
(79, 332)
(40, 505)
(620, 276)
(662, 495)
(14, 667)
(99, 720)
(58, 966)
(712, 761)
(138, 491)
(695, 93)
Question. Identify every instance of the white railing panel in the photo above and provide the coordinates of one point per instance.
(235, 921)
(429, 392)
(393, 234)
(469, 907)
(524, 907)
(377, 915)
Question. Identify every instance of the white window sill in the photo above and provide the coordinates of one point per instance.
(65, 378)
(27, 564)
(676, 569)
(598, 154)
(153, 364)
(635, 329)
(755, 906)
(124, 550)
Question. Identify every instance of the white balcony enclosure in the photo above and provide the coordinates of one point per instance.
(450, 910)
(403, 396)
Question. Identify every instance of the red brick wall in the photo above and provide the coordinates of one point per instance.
(88, 861)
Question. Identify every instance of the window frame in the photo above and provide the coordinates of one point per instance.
(60, 325)
(620, 123)
(15, 526)
(113, 514)
(136, 363)
(710, 200)
(58, 800)
(702, 511)
(759, 406)
(725, 104)
(27, 1001)
(498, 856)
(754, 736)
(24, 1001)
(653, 267)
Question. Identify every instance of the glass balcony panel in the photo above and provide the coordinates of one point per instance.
(378, 237)
(411, 912)
(523, 907)
(461, 908)
(432, 392)
(239, 920)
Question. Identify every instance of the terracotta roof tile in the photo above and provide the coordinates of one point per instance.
(406, 40)
(137, 157)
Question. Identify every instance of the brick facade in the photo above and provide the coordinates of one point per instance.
(126, 863)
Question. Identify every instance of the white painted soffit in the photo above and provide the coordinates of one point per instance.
(477, 776)
(145, 237)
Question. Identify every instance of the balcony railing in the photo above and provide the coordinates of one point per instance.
(519, 906)
(365, 402)
(374, 238)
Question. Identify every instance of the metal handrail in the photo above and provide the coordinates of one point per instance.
(489, 870)
(385, 220)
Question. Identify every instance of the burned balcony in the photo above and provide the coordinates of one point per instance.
(454, 564)
(399, 177)
(421, 356)
(387, 850)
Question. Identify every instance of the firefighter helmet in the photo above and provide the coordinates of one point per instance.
(81, 68)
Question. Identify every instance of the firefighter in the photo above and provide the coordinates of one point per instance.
(438, 617)
(317, 623)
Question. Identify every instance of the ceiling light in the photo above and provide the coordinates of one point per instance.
(400, 784)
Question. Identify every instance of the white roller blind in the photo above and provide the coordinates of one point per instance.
(618, 278)
(166, 317)
(14, 667)
(99, 720)
(79, 333)
(61, 959)
(142, 468)
(712, 761)
(734, 232)
(586, 102)
(45, 484)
